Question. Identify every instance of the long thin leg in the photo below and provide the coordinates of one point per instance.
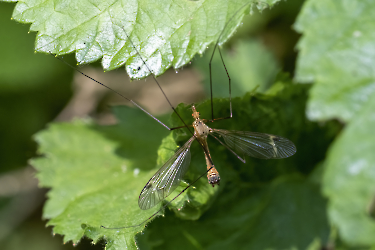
(241, 159)
(218, 119)
(134, 103)
(180, 127)
(230, 84)
(156, 81)
(230, 89)
(209, 68)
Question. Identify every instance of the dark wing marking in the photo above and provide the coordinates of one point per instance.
(167, 178)
(258, 145)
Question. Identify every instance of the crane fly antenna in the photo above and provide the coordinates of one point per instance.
(162, 208)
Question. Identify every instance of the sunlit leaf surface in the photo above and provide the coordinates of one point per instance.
(166, 33)
(337, 52)
(349, 180)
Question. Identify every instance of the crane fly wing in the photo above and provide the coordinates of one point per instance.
(167, 178)
(258, 145)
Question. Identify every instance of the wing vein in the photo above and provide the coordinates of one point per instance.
(167, 178)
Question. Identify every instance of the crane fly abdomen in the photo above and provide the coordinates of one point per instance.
(213, 176)
(201, 131)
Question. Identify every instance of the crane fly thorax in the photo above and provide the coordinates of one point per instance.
(201, 130)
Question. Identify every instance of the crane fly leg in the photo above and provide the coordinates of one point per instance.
(217, 119)
(180, 127)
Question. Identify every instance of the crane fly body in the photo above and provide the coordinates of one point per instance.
(168, 177)
(201, 131)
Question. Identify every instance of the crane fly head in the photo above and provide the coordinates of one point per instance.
(195, 112)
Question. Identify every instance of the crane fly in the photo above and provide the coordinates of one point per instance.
(240, 143)
(168, 177)
(258, 145)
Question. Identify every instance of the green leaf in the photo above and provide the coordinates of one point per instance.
(349, 180)
(289, 214)
(96, 173)
(165, 33)
(94, 177)
(337, 53)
